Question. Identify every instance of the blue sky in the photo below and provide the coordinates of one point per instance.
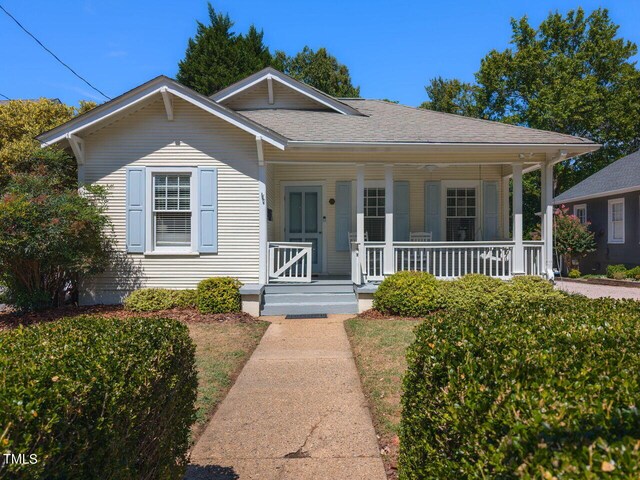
(391, 48)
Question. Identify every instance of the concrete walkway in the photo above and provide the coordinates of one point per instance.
(596, 291)
(296, 411)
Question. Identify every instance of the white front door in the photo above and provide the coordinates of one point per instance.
(303, 219)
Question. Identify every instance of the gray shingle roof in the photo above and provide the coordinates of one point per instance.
(623, 174)
(389, 122)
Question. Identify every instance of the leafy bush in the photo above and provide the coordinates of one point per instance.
(613, 269)
(155, 299)
(475, 291)
(520, 393)
(633, 273)
(574, 273)
(572, 238)
(50, 234)
(98, 398)
(219, 295)
(416, 294)
(409, 294)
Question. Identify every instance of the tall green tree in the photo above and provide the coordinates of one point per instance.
(452, 96)
(319, 69)
(573, 74)
(217, 57)
(21, 121)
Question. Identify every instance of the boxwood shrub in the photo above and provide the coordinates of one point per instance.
(156, 299)
(521, 393)
(409, 294)
(98, 398)
(219, 295)
(417, 294)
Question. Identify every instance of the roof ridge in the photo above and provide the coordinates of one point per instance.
(483, 120)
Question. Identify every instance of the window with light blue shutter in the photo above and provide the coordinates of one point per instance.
(432, 215)
(401, 211)
(135, 206)
(208, 209)
(343, 215)
(490, 210)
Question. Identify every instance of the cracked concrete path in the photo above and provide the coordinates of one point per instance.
(296, 411)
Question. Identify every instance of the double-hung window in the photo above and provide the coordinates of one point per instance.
(172, 211)
(616, 220)
(580, 211)
(374, 213)
(461, 214)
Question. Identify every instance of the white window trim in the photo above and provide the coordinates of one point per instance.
(150, 248)
(580, 206)
(615, 201)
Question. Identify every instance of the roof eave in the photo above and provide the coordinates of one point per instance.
(607, 193)
(155, 86)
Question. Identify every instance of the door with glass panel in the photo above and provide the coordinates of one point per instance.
(303, 219)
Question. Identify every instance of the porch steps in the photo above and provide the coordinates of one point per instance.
(315, 297)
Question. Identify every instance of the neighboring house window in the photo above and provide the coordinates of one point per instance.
(172, 210)
(461, 214)
(580, 211)
(616, 220)
(374, 202)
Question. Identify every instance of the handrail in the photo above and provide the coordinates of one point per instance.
(290, 261)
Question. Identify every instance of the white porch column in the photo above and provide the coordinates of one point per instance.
(388, 220)
(518, 250)
(262, 215)
(360, 213)
(506, 232)
(547, 171)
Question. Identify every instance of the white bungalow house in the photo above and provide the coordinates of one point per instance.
(309, 200)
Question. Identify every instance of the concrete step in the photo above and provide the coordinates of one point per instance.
(309, 288)
(308, 297)
(308, 308)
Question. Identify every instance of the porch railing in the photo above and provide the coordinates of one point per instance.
(449, 259)
(533, 260)
(455, 259)
(290, 261)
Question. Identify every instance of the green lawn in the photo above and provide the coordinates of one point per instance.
(221, 351)
(379, 347)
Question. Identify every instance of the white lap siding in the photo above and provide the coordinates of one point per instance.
(194, 138)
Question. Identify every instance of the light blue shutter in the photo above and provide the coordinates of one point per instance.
(490, 210)
(343, 215)
(135, 215)
(208, 209)
(401, 211)
(432, 210)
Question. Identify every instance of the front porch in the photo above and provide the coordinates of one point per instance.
(365, 222)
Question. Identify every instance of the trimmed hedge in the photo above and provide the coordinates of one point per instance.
(409, 294)
(98, 398)
(219, 295)
(417, 294)
(522, 393)
(156, 299)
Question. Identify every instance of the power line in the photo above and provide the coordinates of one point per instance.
(53, 54)
(4, 96)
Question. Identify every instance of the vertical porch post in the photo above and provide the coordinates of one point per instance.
(360, 214)
(506, 232)
(543, 215)
(547, 171)
(388, 220)
(262, 215)
(518, 250)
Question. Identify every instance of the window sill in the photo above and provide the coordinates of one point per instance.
(616, 242)
(171, 253)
